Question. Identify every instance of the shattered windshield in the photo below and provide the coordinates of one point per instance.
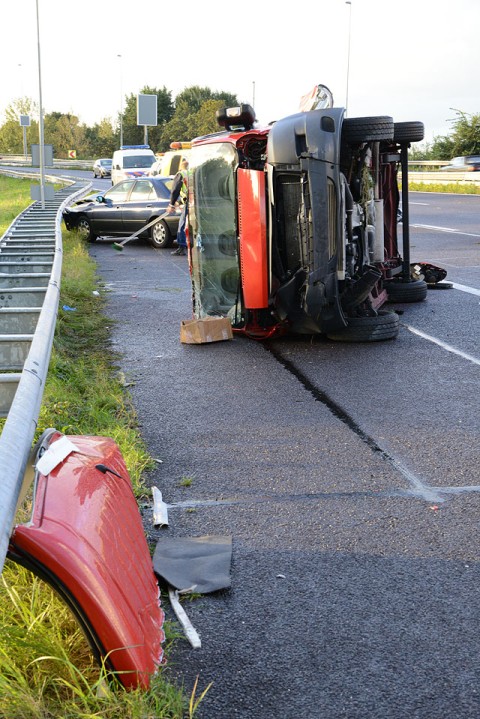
(215, 262)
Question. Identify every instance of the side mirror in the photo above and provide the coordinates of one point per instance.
(100, 198)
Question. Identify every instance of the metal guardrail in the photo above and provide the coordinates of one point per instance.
(26, 161)
(30, 273)
(444, 177)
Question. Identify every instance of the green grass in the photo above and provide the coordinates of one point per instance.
(46, 667)
(457, 188)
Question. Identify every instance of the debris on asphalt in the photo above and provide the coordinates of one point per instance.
(190, 631)
(160, 511)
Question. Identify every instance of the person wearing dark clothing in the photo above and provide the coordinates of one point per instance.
(180, 191)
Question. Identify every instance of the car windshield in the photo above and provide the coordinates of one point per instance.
(130, 161)
(106, 162)
(215, 261)
(473, 159)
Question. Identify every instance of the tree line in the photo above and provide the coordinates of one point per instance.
(191, 114)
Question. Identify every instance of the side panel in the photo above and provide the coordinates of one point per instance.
(252, 225)
(86, 536)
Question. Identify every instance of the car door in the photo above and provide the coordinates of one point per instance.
(106, 216)
(141, 205)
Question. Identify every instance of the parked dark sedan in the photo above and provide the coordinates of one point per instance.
(124, 209)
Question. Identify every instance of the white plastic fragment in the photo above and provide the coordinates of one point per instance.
(55, 454)
(190, 631)
(160, 511)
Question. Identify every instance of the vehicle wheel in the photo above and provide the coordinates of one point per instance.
(367, 129)
(399, 291)
(160, 235)
(84, 229)
(408, 131)
(383, 326)
(95, 174)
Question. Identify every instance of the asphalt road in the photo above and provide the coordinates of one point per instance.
(347, 476)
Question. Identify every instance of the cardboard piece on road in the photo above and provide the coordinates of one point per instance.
(208, 329)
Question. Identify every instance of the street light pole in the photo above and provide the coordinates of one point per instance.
(348, 2)
(40, 125)
(121, 103)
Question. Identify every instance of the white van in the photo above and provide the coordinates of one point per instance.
(131, 161)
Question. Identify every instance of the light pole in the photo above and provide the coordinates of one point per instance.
(348, 2)
(40, 124)
(121, 103)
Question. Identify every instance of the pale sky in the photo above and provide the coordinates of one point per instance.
(411, 59)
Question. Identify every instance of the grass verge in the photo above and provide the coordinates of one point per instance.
(46, 668)
(455, 188)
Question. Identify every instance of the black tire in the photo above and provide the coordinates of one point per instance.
(160, 235)
(414, 291)
(84, 229)
(367, 129)
(383, 326)
(408, 132)
(95, 174)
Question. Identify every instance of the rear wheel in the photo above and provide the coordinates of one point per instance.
(367, 129)
(84, 229)
(408, 132)
(415, 291)
(383, 326)
(160, 235)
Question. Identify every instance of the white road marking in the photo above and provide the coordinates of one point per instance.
(445, 229)
(466, 288)
(443, 345)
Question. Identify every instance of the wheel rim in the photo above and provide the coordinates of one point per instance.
(83, 228)
(159, 234)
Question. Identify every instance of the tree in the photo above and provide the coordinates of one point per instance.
(64, 132)
(466, 134)
(192, 98)
(194, 114)
(101, 140)
(11, 133)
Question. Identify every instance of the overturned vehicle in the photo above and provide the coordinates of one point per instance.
(293, 227)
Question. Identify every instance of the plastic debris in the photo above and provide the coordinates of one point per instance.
(160, 511)
(182, 617)
(55, 454)
(67, 308)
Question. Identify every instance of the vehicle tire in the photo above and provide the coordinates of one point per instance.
(383, 326)
(408, 131)
(95, 174)
(160, 235)
(84, 229)
(367, 129)
(414, 291)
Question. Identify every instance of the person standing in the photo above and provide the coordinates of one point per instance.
(180, 191)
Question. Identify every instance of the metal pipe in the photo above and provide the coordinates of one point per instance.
(405, 212)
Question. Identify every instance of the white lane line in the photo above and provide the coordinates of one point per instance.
(466, 288)
(445, 229)
(443, 345)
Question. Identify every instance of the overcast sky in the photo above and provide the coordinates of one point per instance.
(411, 59)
